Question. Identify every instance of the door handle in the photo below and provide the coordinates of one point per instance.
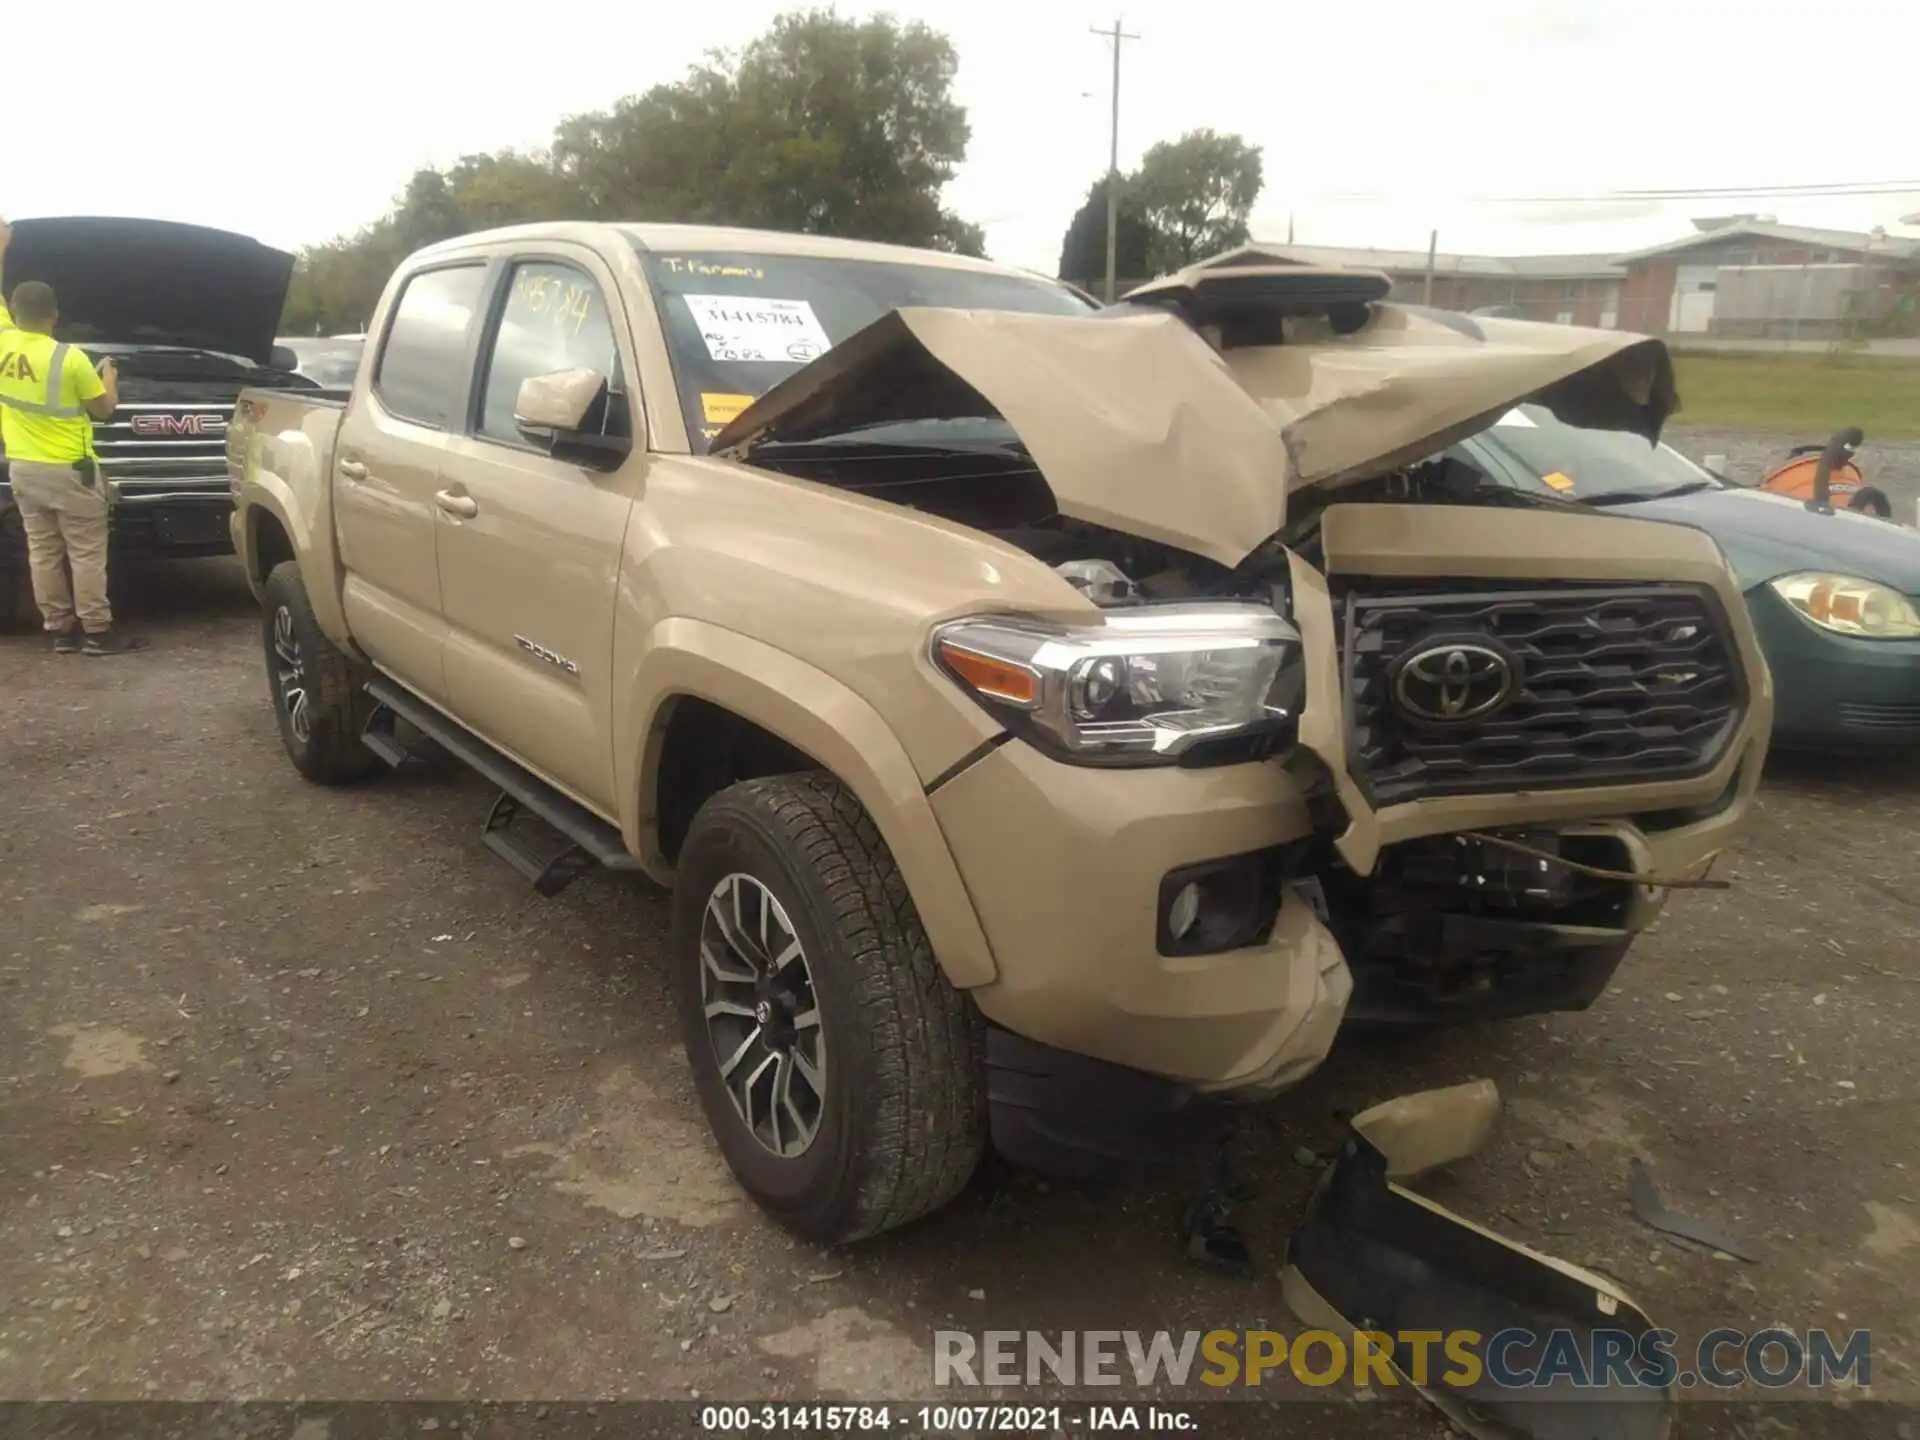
(464, 506)
(353, 470)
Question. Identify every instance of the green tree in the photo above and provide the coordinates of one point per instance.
(511, 188)
(823, 124)
(1196, 193)
(427, 212)
(961, 237)
(1083, 249)
(335, 285)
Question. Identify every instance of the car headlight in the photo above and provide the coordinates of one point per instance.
(1848, 605)
(1145, 687)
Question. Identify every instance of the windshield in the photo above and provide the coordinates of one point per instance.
(739, 323)
(1585, 463)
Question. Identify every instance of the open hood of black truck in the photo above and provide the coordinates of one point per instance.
(155, 282)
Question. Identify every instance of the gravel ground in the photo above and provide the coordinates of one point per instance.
(1893, 466)
(304, 1095)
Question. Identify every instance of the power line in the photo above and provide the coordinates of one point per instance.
(1118, 37)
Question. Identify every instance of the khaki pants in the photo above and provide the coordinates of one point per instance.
(66, 524)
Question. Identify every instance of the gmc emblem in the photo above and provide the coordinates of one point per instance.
(159, 426)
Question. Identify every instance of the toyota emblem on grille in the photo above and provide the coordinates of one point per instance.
(1454, 680)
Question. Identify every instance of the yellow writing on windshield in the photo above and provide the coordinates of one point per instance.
(687, 265)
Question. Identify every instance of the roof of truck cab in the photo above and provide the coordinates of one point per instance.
(726, 238)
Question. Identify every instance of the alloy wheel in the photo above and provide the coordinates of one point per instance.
(290, 675)
(762, 1015)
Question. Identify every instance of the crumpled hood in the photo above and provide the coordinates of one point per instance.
(1140, 424)
(154, 282)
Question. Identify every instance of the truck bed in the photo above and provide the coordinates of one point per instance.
(284, 441)
(316, 399)
(260, 414)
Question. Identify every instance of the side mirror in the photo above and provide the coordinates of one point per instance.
(552, 412)
(281, 358)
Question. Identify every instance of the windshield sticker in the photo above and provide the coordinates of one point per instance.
(687, 265)
(1519, 419)
(717, 409)
(1562, 483)
(744, 330)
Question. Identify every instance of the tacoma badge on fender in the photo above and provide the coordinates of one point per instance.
(541, 652)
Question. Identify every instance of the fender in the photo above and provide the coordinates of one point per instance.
(825, 720)
(282, 474)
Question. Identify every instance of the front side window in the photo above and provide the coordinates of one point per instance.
(739, 323)
(555, 318)
(419, 375)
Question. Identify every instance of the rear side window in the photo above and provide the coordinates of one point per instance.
(420, 376)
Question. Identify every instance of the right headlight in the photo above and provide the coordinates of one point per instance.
(1145, 687)
(1848, 605)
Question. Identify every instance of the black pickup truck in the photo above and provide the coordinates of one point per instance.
(188, 315)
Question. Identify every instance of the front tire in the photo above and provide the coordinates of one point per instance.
(843, 1077)
(314, 685)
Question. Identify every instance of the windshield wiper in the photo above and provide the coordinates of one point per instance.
(1630, 497)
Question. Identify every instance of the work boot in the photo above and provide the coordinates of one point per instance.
(69, 640)
(111, 642)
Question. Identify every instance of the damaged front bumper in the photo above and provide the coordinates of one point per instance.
(1475, 869)
(1412, 875)
(1464, 927)
(1409, 1279)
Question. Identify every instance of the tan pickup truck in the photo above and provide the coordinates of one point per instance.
(1047, 718)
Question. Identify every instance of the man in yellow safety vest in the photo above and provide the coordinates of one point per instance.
(50, 395)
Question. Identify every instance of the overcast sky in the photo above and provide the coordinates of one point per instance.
(294, 122)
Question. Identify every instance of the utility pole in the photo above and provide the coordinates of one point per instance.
(1117, 36)
(1433, 244)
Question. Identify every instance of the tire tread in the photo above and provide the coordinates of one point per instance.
(335, 754)
(927, 1116)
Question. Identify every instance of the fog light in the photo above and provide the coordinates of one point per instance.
(1184, 911)
(1219, 905)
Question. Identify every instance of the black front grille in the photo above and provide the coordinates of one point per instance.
(1615, 684)
(154, 449)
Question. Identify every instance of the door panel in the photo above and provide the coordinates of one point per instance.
(529, 547)
(385, 473)
(387, 462)
(528, 584)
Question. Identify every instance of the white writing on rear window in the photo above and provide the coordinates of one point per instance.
(748, 328)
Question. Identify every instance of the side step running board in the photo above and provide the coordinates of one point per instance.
(587, 839)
